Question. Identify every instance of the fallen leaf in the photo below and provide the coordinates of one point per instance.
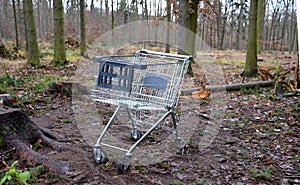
(202, 94)
(266, 72)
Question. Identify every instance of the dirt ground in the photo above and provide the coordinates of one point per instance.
(255, 139)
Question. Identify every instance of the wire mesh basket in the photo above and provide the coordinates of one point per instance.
(141, 83)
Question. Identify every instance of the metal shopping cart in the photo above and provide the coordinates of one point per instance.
(142, 83)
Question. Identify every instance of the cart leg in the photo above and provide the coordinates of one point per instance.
(130, 117)
(175, 124)
(148, 132)
(99, 155)
(107, 126)
(135, 134)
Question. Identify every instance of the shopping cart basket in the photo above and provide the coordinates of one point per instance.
(144, 82)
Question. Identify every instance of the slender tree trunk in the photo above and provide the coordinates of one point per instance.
(146, 10)
(224, 27)
(16, 24)
(292, 30)
(219, 20)
(266, 24)
(112, 20)
(82, 28)
(33, 49)
(91, 6)
(25, 24)
(106, 8)
(231, 27)
(271, 31)
(168, 28)
(101, 11)
(203, 32)
(250, 69)
(39, 20)
(239, 28)
(136, 10)
(59, 43)
(284, 24)
(259, 24)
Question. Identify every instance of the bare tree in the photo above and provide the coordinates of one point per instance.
(59, 44)
(82, 28)
(16, 24)
(250, 68)
(187, 15)
(168, 28)
(259, 24)
(31, 38)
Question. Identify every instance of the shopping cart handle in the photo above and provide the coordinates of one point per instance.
(186, 57)
(105, 59)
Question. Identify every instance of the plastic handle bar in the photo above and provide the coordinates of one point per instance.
(121, 62)
(186, 57)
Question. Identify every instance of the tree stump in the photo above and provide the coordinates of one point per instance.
(18, 131)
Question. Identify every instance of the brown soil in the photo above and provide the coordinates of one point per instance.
(257, 142)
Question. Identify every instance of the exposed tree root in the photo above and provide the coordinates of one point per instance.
(18, 131)
(33, 158)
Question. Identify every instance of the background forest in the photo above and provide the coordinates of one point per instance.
(221, 24)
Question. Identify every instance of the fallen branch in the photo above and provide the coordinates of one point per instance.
(229, 87)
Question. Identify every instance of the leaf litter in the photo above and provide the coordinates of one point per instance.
(258, 141)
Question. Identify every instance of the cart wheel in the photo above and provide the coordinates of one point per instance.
(99, 156)
(123, 165)
(135, 134)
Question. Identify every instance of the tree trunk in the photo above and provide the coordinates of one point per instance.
(219, 20)
(18, 131)
(59, 43)
(284, 23)
(259, 24)
(39, 17)
(112, 20)
(136, 10)
(250, 69)
(187, 18)
(168, 28)
(82, 28)
(16, 24)
(224, 27)
(106, 8)
(293, 28)
(32, 44)
(238, 35)
(101, 11)
(91, 6)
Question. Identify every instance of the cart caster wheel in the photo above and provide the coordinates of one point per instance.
(123, 165)
(135, 134)
(99, 156)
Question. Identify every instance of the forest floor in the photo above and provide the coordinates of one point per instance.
(257, 139)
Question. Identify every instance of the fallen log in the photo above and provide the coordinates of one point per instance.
(229, 87)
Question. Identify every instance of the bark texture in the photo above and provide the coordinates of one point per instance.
(31, 38)
(59, 43)
(251, 68)
(18, 131)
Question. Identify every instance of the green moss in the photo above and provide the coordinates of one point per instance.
(1, 142)
(6, 127)
(36, 146)
(67, 121)
(264, 174)
(3, 133)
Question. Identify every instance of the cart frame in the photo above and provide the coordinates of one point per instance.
(147, 80)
